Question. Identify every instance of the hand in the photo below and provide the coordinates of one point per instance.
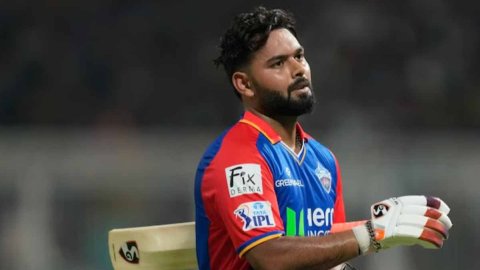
(407, 220)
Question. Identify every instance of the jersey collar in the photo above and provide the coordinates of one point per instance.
(263, 127)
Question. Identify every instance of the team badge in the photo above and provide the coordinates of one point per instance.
(257, 214)
(324, 176)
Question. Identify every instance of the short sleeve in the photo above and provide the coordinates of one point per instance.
(239, 184)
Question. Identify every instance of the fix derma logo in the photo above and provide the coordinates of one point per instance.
(244, 179)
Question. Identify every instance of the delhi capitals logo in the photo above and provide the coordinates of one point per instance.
(324, 176)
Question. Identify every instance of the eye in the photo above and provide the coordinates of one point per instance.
(278, 64)
(300, 56)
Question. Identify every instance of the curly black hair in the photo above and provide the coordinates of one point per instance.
(248, 33)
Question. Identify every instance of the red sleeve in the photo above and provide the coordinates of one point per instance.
(340, 227)
(339, 212)
(241, 183)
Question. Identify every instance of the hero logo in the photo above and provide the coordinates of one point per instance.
(320, 217)
(256, 214)
(244, 179)
(379, 210)
(129, 251)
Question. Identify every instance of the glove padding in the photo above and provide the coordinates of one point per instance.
(407, 220)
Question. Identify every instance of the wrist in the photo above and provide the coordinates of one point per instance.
(363, 238)
(373, 240)
(365, 235)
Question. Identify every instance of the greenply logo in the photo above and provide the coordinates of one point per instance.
(317, 221)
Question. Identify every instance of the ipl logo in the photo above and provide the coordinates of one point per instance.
(255, 215)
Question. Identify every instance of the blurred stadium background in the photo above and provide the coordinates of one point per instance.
(105, 109)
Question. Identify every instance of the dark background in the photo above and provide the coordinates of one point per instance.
(148, 63)
(106, 108)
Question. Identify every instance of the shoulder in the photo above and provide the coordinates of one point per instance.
(319, 147)
(240, 144)
(233, 154)
(241, 134)
(236, 144)
(323, 153)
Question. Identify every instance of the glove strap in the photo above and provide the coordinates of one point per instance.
(363, 238)
(376, 245)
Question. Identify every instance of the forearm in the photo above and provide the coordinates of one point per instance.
(304, 252)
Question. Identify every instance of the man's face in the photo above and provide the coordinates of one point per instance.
(280, 77)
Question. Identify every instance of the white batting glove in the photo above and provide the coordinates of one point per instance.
(407, 220)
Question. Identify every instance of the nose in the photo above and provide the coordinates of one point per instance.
(299, 67)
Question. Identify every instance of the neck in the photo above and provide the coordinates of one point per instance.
(285, 126)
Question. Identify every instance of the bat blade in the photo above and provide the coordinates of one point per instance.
(161, 247)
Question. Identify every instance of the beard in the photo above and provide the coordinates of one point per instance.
(273, 103)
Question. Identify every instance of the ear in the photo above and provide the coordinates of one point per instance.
(242, 84)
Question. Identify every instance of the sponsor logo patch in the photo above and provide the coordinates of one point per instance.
(288, 180)
(244, 179)
(257, 214)
(129, 252)
(324, 176)
(288, 183)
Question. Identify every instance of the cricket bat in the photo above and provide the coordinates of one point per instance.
(162, 247)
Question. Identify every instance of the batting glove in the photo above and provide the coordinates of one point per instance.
(407, 220)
